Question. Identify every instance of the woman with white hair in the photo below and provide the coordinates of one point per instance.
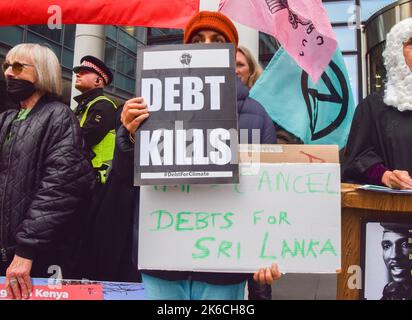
(379, 145)
(45, 171)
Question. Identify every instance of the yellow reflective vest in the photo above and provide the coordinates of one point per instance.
(105, 148)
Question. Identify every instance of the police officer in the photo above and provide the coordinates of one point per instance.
(397, 251)
(96, 112)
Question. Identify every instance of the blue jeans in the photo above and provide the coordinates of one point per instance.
(159, 289)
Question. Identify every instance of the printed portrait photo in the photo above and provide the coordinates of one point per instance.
(388, 263)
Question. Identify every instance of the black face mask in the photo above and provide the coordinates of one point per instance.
(20, 90)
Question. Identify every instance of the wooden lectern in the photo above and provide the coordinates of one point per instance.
(359, 205)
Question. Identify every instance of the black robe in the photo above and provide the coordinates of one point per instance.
(379, 134)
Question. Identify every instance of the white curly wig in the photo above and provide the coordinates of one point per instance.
(398, 87)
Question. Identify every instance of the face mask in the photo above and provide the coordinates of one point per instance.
(20, 90)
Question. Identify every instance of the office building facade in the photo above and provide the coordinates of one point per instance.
(360, 27)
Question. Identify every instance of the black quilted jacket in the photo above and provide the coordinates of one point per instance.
(45, 173)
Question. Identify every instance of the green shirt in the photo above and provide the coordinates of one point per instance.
(22, 115)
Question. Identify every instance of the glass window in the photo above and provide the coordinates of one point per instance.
(377, 69)
(31, 37)
(69, 35)
(141, 34)
(126, 63)
(162, 32)
(52, 34)
(131, 30)
(67, 58)
(351, 62)
(126, 40)
(110, 55)
(111, 32)
(11, 35)
(369, 7)
(120, 55)
(405, 10)
(111, 85)
(125, 83)
(346, 38)
(164, 36)
(340, 11)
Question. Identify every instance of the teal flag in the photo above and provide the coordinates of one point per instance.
(318, 113)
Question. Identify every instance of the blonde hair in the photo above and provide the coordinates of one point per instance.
(46, 66)
(254, 68)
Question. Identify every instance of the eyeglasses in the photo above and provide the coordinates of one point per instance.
(17, 67)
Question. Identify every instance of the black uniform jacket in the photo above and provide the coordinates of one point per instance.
(100, 117)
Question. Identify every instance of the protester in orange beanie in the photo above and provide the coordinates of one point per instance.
(211, 21)
(205, 27)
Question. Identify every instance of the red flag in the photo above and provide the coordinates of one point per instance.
(145, 13)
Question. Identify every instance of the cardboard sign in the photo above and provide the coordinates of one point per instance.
(287, 213)
(191, 134)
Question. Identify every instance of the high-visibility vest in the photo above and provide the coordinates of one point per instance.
(105, 148)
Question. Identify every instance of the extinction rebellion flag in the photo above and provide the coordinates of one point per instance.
(301, 26)
(191, 134)
(159, 13)
(317, 113)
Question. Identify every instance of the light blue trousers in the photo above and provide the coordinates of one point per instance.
(159, 289)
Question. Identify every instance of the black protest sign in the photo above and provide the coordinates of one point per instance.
(191, 134)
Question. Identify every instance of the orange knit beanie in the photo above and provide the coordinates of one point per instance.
(210, 20)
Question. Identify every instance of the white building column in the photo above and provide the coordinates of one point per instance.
(89, 40)
(248, 37)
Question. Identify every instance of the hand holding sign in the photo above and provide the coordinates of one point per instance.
(267, 275)
(134, 113)
(192, 135)
(18, 282)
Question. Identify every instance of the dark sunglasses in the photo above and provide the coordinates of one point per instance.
(17, 67)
